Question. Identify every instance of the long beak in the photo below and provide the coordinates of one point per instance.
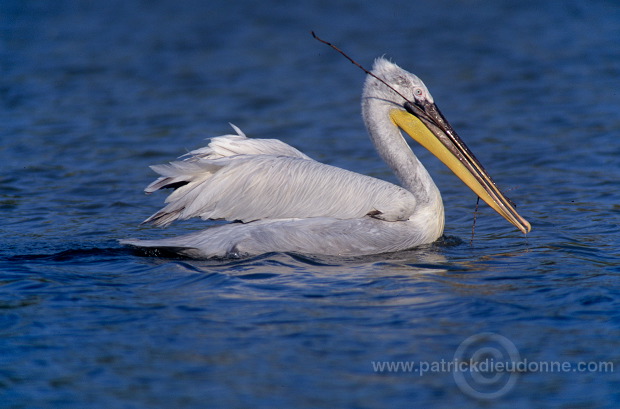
(425, 123)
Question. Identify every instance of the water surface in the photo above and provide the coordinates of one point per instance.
(92, 93)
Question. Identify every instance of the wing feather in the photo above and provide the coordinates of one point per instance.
(175, 174)
(239, 179)
(239, 144)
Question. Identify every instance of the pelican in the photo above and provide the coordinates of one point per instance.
(277, 199)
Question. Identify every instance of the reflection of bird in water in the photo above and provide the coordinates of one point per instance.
(284, 201)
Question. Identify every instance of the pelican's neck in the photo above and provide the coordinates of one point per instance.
(395, 151)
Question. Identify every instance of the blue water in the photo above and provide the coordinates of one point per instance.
(92, 93)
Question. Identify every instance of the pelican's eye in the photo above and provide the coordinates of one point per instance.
(418, 93)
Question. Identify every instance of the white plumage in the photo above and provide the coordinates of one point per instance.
(282, 200)
(240, 179)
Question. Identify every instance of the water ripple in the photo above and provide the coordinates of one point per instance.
(92, 93)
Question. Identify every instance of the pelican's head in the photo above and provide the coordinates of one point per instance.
(413, 110)
(403, 85)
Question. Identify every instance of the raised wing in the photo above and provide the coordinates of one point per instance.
(241, 179)
(218, 147)
(239, 144)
